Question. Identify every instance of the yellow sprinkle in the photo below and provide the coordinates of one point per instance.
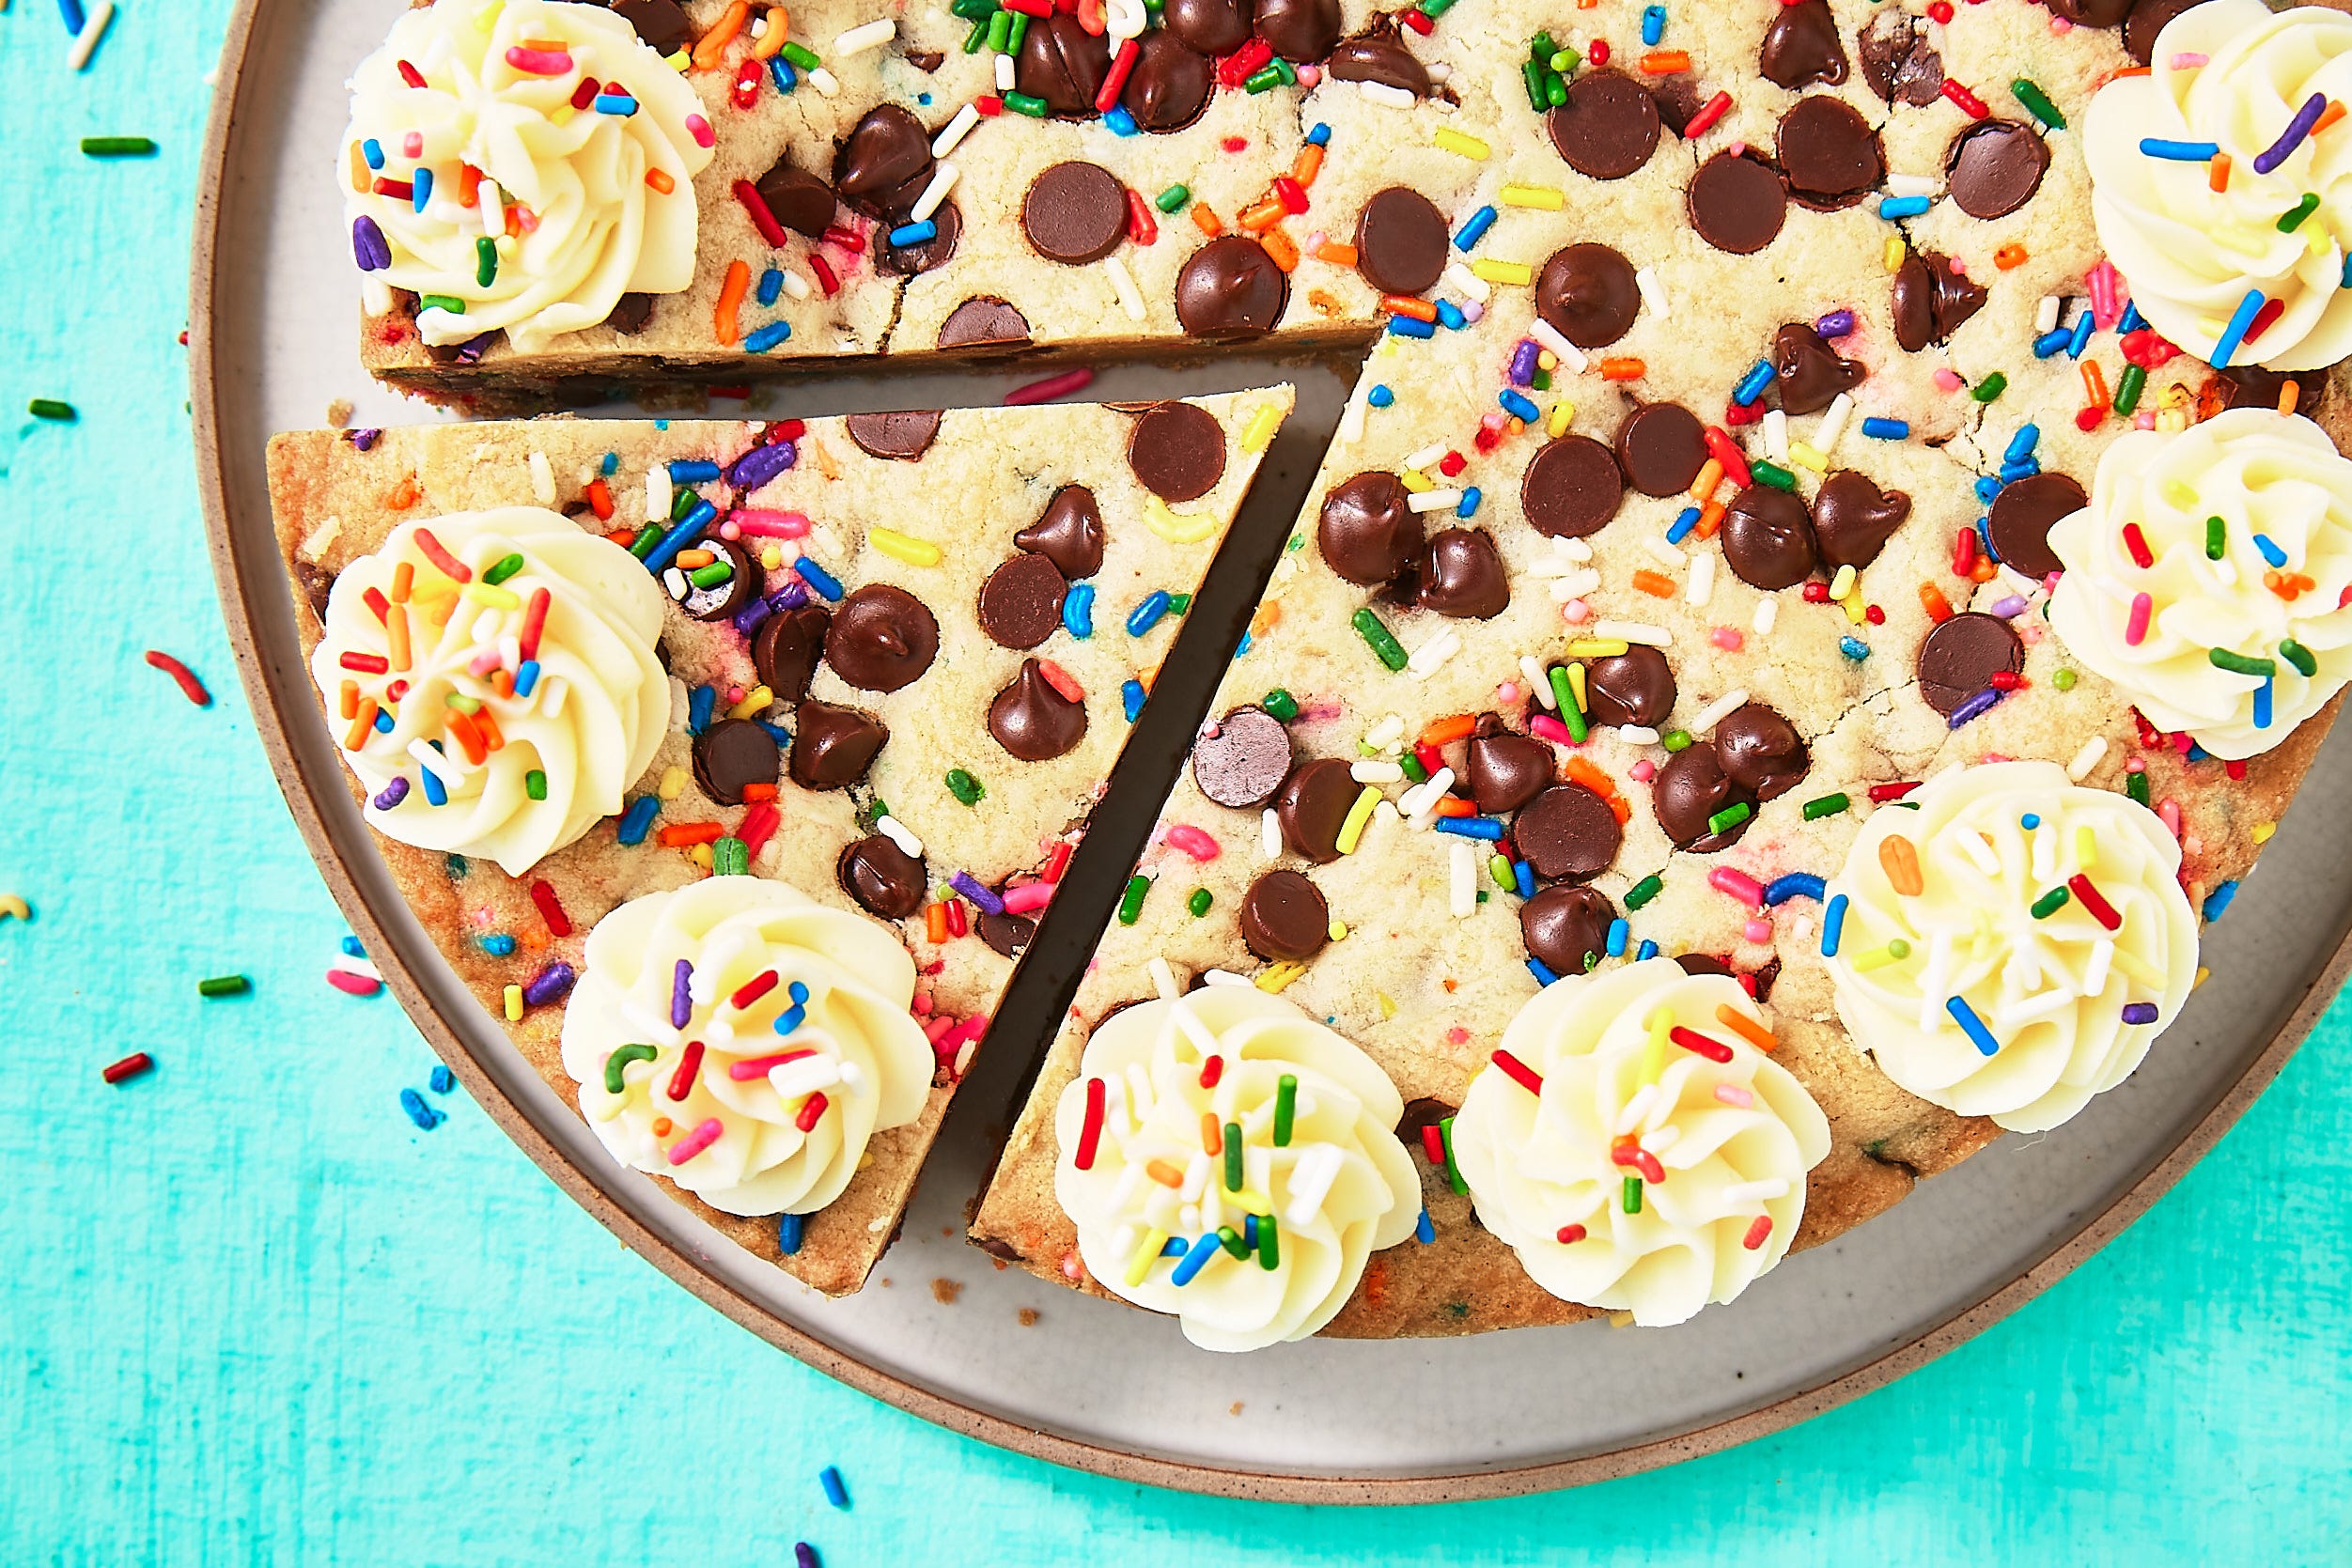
(1596, 647)
(1414, 479)
(673, 780)
(1576, 687)
(700, 855)
(903, 547)
(1454, 141)
(1279, 975)
(1357, 815)
(1556, 423)
(1178, 528)
(2202, 973)
(1388, 1003)
(13, 904)
(771, 558)
(1545, 197)
(2087, 849)
(1139, 1265)
(757, 700)
(1895, 256)
(2180, 495)
(1661, 1023)
(1875, 959)
(1339, 930)
(1854, 608)
(562, 114)
(1261, 428)
(487, 17)
(514, 1005)
(1807, 456)
(2317, 241)
(1518, 272)
(2212, 326)
(2172, 421)
(1842, 583)
(497, 598)
(2263, 832)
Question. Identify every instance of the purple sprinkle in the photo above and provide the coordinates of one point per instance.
(1836, 324)
(549, 984)
(2296, 129)
(681, 1000)
(470, 351)
(368, 246)
(2009, 609)
(804, 1555)
(748, 618)
(1981, 703)
(392, 794)
(366, 439)
(761, 464)
(790, 597)
(2139, 1012)
(1523, 363)
(963, 882)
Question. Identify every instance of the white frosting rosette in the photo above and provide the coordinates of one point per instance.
(512, 729)
(1322, 1181)
(2191, 253)
(1634, 1146)
(579, 206)
(2238, 648)
(744, 1040)
(2010, 948)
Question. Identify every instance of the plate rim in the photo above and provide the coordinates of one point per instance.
(300, 791)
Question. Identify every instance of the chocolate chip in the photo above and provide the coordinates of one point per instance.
(1897, 60)
(927, 60)
(1704, 963)
(1021, 603)
(1589, 292)
(1829, 153)
(1230, 287)
(1075, 213)
(1384, 60)
(722, 601)
(1283, 918)
(881, 638)
(1738, 203)
(1608, 125)
(1177, 450)
(925, 255)
(1312, 804)
(1401, 242)
(1760, 751)
(2092, 13)
(1853, 519)
(2252, 386)
(1767, 538)
(2147, 19)
(1008, 935)
(662, 23)
(1301, 31)
(1809, 372)
(1462, 574)
(1961, 656)
(1635, 686)
(902, 436)
(1032, 720)
(1212, 27)
(1678, 103)
(1566, 927)
(1802, 47)
(2020, 520)
(1170, 84)
(1994, 166)
(1567, 833)
(1931, 300)
(797, 198)
(1061, 63)
(1069, 534)
(1571, 488)
(983, 319)
(1505, 770)
(733, 752)
(1366, 532)
(1245, 761)
(883, 167)
(1661, 447)
(1689, 788)
(631, 313)
(883, 878)
(787, 647)
(833, 747)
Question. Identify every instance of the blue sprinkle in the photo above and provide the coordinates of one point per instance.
(1796, 884)
(1886, 429)
(789, 1227)
(421, 189)
(1195, 1260)
(1653, 25)
(372, 151)
(1244, 648)
(2024, 468)
(1488, 828)
(1832, 926)
(1172, 1247)
(2217, 901)
(2179, 152)
(2050, 342)
(1647, 950)
(1620, 932)
(1853, 648)
(1120, 121)
(693, 470)
(1132, 699)
(383, 720)
(1751, 385)
(2270, 551)
(2197, 752)
(1683, 524)
(2132, 320)
(2235, 333)
(1468, 507)
(770, 285)
(781, 72)
(689, 529)
(1542, 971)
(351, 946)
(2021, 445)
(611, 465)
(1405, 326)
(1248, 1231)
(783, 736)
(764, 339)
(1381, 397)
(1985, 540)
(498, 944)
(818, 578)
(913, 234)
(436, 794)
(615, 103)
(1320, 135)
(637, 820)
(2261, 705)
(2081, 338)
(1474, 228)
(1892, 208)
(1450, 316)
(699, 704)
(1981, 703)
(1523, 879)
(1424, 1232)
(442, 1080)
(424, 1115)
(2029, 821)
(1972, 1026)
(526, 676)
(1077, 609)
(1147, 615)
(923, 99)
(1520, 406)
(1987, 486)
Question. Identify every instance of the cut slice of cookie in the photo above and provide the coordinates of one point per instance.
(863, 676)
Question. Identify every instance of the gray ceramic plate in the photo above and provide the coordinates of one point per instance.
(1094, 1384)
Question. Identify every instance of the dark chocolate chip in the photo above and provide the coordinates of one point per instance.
(1069, 534)
(1994, 166)
(1312, 804)
(1462, 574)
(1802, 47)
(983, 319)
(1897, 60)
(1384, 60)
(1245, 761)
(1032, 720)
(1505, 770)
(722, 601)
(1283, 917)
(1809, 372)
(1566, 927)
(1635, 686)
(1931, 300)
(883, 167)
(1760, 751)
(883, 878)
(1401, 242)
(1177, 450)
(2020, 520)
(1829, 153)
(927, 60)
(787, 648)
(1608, 125)
(1567, 833)
(903, 435)
(1211, 27)
(1738, 203)
(1853, 519)
(1767, 538)
(924, 254)
(1230, 287)
(833, 747)
(1021, 603)
(1960, 657)
(1661, 447)
(662, 23)
(2092, 13)
(733, 752)
(1678, 103)
(1704, 963)
(1689, 788)
(631, 313)
(1366, 532)
(2147, 19)
(1572, 488)
(1008, 935)
(1170, 84)
(1301, 31)
(2252, 386)
(1589, 292)
(1061, 63)
(881, 638)
(1075, 213)
(798, 200)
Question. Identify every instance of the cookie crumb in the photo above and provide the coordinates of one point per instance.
(1029, 1317)
(945, 1291)
(339, 413)
(1234, 1409)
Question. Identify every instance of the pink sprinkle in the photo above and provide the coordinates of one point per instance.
(1508, 694)
(1543, 726)
(1643, 770)
(1193, 841)
(545, 62)
(1738, 150)
(1726, 637)
(2136, 627)
(483, 665)
(1028, 896)
(2143, 420)
(1472, 312)
(1759, 931)
(2060, 27)
(938, 1025)
(2182, 741)
(2107, 299)
(413, 145)
(730, 530)
(1457, 1035)
(1071, 1269)
(1315, 243)
(2137, 765)
(1738, 884)
(702, 1137)
(1732, 1093)
(1576, 612)
(921, 1006)
(356, 984)
(1051, 388)
(769, 524)
(2186, 61)
(1948, 381)
(1310, 75)
(1492, 420)
(2168, 809)
(752, 1068)
(700, 129)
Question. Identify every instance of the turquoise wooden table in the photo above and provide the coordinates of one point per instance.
(249, 1313)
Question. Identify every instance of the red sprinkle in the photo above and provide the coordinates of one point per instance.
(372, 598)
(1517, 1072)
(451, 567)
(2137, 543)
(1121, 63)
(825, 278)
(1451, 464)
(1689, 1039)
(957, 925)
(811, 1109)
(2271, 310)
(409, 74)
(190, 685)
(1715, 109)
(129, 1067)
(753, 990)
(1568, 1235)
(1433, 1142)
(1969, 104)
(1090, 1133)
(2093, 900)
(1141, 227)
(1881, 794)
(762, 219)
(2145, 349)
(2089, 419)
(1762, 1227)
(689, 1064)
(1875, 614)
(584, 94)
(366, 664)
(1059, 864)
(1419, 21)
(558, 922)
(1051, 388)
(1734, 415)
(1964, 552)
(1597, 51)
(989, 104)
(1211, 1070)
(1292, 195)
(1725, 451)
(534, 623)
(1816, 593)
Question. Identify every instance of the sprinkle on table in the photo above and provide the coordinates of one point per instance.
(117, 146)
(835, 1494)
(223, 986)
(189, 683)
(137, 1064)
(55, 408)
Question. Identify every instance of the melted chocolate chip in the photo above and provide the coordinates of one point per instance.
(1312, 804)
(1931, 300)
(1211, 27)
(1069, 534)
(1588, 292)
(902, 436)
(1566, 927)
(1061, 63)
(731, 753)
(1809, 372)
(1032, 720)
(1230, 287)
(1283, 917)
(1961, 656)
(1767, 538)
(833, 747)
(1572, 488)
(1704, 963)
(721, 602)
(1374, 59)
(1738, 203)
(1760, 751)
(1177, 450)
(2020, 520)
(884, 879)
(1994, 166)
(797, 198)
(1021, 603)
(1635, 686)
(1301, 31)
(1401, 242)
(1689, 788)
(1366, 531)
(1802, 47)
(2147, 19)
(1075, 213)
(927, 60)
(1462, 574)
(1245, 761)
(1661, 447)
(631, 313)
(1008, 935)
(1897, 60)
(1678, 102)
(1567, 833)
(1170, 84)
(787, 647)
(921, 256)
(883, 167)
(1505, 770)
(2252, 386)
(2092, 13)
(1853, 519)
(1829, 153)
(1608, 125)
(881, 638)
(662, 23)
(983, 319)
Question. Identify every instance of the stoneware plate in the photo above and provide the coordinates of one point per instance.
(1089, 1383)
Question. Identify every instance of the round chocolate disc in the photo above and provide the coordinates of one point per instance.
(1177, 450)
(1635, 686)
(1688, 789)
(731, 753)
(983, 319)
(1567, 833)
(1608, 125)
(787, 647)
(1032, 720)
(1021, 603)
(1994, 166)
(1829, 153)
(1505, 770)
(1061, 63)
(1210, 27)
(1589, 292)
(883, 164)
(1767, 538)
(901, 437)
(1366, 531)
(1384, 60)
(1075, 213)
(1738, 203)
(1230, 287)
(1401, 242)
(722, 600)
(1301, 31)
(1069, 534)
(883, 878)
(1853, 519)
(1245, 761)
(2021, 517)
(881, 638)
(1462, 574)
(1170, 84)
(833, 747)
(1283, 917)
(1661, 447)
(1571, 488)
(1760, 751)
(1313, 803)
(1960, 657)
(1566, 927)
(1802, 47)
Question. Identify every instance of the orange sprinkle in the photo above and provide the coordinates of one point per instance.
(363, 725)
(935, 923)
(2289, 393)
(502, 683)
(1665, 62)
(1623, 369)
(469, 185)
(660, 179)
(1982, 571)
(2327, 117)
(1441, 732)
(1147, 678)
(1212, 1136)
(1269, 616)
(1454, 806)
(363, 177)
(403, 494)
(2094, 383)
(687, 560)
(1061, 680)
(404, 580)
(1618, 809)
(2009, 256)
(1310, 164)
(468, 738)
(1932, 600)
(662, 1126)
(1710, 519)
(1590, 776)
(754, 792)
(1739, 1023)
(1281, 248)
(1337, 254)
(493, 738)
(1265, 215)
(1710, 475)
(1656, 584)
(1404, 305)
(1164, 1174)
(1899, 858)
(2217, 174)
(396, 625)
(771, 43)
(731, 292)
(712, 45)
(347, 704)
(622, 537)
(1206, 220)
(689, 832)
(601, 499)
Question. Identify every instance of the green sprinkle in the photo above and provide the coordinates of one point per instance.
(1280, 704)
(535, 784)
(2064, 680)
(1436, 8)
(1415, 773)
(1633, 1195)
(462, 703)
(2136, 786)
(622, 1057)
(1542, 380)
(978, 39)
(1827, 805)
(1898, 949)
(1555, 90)
(1540, 47)
(2128, 388)
(223, 986)
(2216, 539)
(2239, 664)
(502, 568)
(1384, 643)
(1230, 1239)
(2038, 103)
(116, 146)
(1269, 1250)
(1644, 890)
(2050, 903)
(1452, 1172)
(965, 787)
(1674, 741)
(1018, 31)
(1172, 198)
(485, 261)
(1772, 473)
(972, 10)
(52, 407)
(1987, 389)
(1565, 60)
(1131, 906)
(1179, 603)
(1532, 76)
(449, 303)
(1498, 867)
(1232, 1140)
(642, 546)
(801, 55)
(1571, 714)
(730, 857)
(712, 575)
(1285, 1108)
(1023, 103)
(873, 814)
(1264, 79)
(1729, 817)
(2300, 656)
(682, 502)
(1200, 901)
(2292, 219)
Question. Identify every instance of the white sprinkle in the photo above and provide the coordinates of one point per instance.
(1466, 283)
(1549, 336)
(825, 83)
(1224, 977)
(1195, 1169)
(1462, 891)
(871, 34)
(658, 495)
(1980, 852)
(900, 834)
(509, 651)
(2026, 1009)
(1311, 1179)
(795, 285)
(1432, 655)
(1702, 584)
(1371, 771)
(431, 759)
(1203, 1037)
(2045, 315)
(556, 688)
(320, 540)
(942, 180)
(1425, 795)
(2093, 749)
(492, 205)
(1426, 458)
(1630, 631)
(1124, 18)
(1004, 73)
(1351, 422)
(1912, 185)
(375, 295)
(1269, 833)
(644, 1021)
(675, 582)
(1666, 554)
(822, 535)
(1653, 291)
(1717, 711)
(1538, 682)
(957, 128)
(1123, 285)
(1387, 733)
(1768, 613)
(805, 1076)
(1393, 98)
(1575, 550)
(1637, 735)
(1776, 435)
(93, 29)
(1434, 501)
(1832, 425)
(2046, 852)
(542, 480)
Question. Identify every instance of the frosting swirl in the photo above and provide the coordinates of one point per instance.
(1319, 1189)
(2191, 253)
(532, 736)
(1715, 1141)
(759, 1039)
(2009, 949)
(2235, 649)
(580, 206)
